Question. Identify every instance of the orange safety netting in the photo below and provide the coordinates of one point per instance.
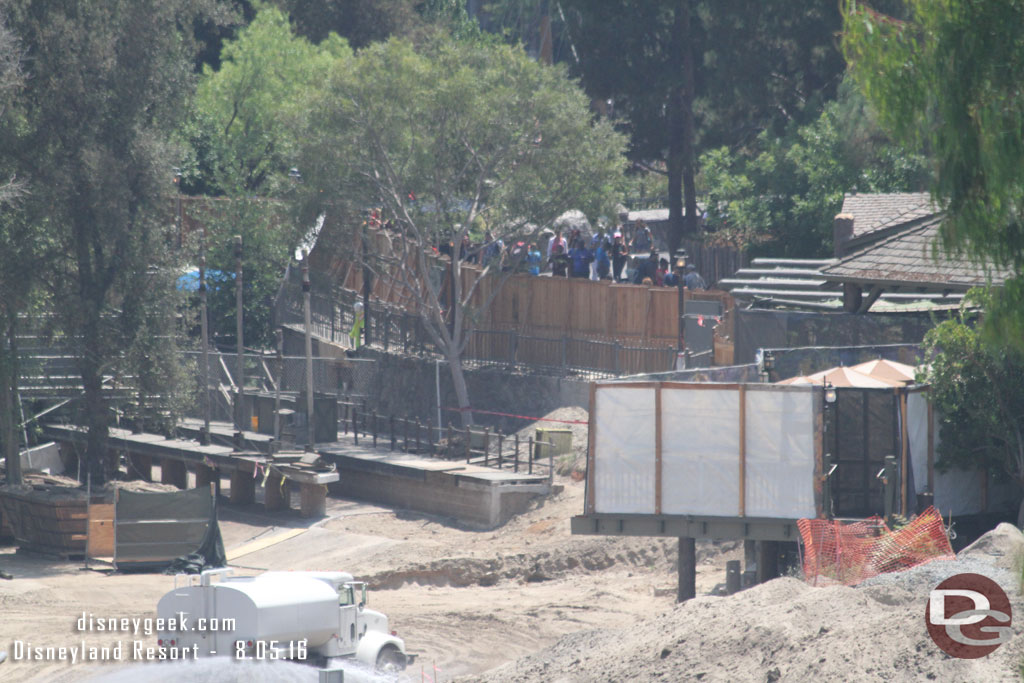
(848, 553)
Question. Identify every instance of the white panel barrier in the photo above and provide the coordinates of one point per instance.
(917, 437)
(624, 458)
(700, 451)
(781, 431)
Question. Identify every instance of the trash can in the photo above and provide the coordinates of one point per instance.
(552, 442)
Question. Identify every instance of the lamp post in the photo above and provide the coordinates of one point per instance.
(240, 393)
(767, 364)
(828, 468)
(311, 440)
(181, 223)
(204, 326)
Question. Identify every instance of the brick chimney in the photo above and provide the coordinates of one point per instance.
(842, 232)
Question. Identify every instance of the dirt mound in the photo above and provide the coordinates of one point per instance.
(528, 567)
(1003, 547)
(788, 630)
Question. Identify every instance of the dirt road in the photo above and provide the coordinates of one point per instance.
(465, 601)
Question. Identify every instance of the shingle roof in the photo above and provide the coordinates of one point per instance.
(908, 259)
(874, 211)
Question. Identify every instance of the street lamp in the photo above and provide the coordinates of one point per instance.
(177, 186)
(828, 466)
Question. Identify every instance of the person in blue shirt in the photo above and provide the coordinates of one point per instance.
(533, 259)
(580, 257)
(603, 261)
(693, 280)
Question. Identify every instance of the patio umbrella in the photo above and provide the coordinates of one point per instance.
(887, 370)
(848, 377)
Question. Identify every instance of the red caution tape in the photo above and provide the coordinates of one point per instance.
(521, 417)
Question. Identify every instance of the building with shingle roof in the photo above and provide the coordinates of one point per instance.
(878, 210)
(887, 249)
(889, 243)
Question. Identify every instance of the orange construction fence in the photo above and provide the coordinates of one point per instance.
(849, 552)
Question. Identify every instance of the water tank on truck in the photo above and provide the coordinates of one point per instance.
(279, 615)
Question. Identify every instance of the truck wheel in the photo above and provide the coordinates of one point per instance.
(390, 660)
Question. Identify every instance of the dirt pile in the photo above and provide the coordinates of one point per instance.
(788, 630)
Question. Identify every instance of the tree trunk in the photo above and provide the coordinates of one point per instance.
(95, 406)
(681, 161)
(689, 154)
(461, 392)
(8, 400)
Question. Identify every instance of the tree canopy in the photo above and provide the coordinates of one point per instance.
(686, 77)
(448, 136)
(88, 134)
(946, 80)
(977, 387)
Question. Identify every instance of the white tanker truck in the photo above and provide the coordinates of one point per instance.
(278, 615)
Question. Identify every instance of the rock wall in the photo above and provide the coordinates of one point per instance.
(407, 386)
(403, 385)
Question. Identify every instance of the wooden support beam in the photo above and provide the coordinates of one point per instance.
(243, 487)
(173, 472)
(205, 475)
(749, 563)
(140, 467)
(687, 569)
(767, 560)
(313, 500)
(872, 297)
(275, 493)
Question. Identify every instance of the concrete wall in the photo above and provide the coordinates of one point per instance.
(409, 385)
(473, 502)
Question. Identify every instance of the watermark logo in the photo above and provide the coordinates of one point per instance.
(968, 616)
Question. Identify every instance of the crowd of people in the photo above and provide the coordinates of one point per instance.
(605, 256)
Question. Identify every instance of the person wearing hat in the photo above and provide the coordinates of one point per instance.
(619, 253)
(693, 280)
(643, 240)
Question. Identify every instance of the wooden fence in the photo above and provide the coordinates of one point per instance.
(536, 321)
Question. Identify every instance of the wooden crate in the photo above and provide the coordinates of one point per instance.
(50, 520)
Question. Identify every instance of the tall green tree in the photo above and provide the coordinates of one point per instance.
(444, 138)
(108, 82)
(19, 255)
(243, 136)
(684, 77)
(247, 110)
(977, 387)
(779, 196)
(946, 80)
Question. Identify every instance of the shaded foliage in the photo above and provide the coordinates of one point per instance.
(977, 388)
(782, 199)
(945, 79)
